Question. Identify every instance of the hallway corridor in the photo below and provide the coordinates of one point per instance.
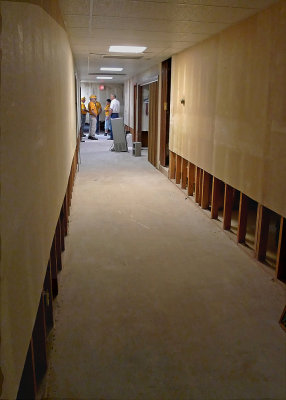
(155, 301)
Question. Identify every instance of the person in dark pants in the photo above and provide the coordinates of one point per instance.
(114, 111)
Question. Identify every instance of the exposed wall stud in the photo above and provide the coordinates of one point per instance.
(227, 208)
(178, 168)
(197, 185)
(28, 384)
(281, 252)
(205, 190)
(261, 233)
(184, 173)
(39, 341)
(215, 197)
(65, 216)
(63, 227)
(48, 297)
(191, 178)
(66, 213)
(200, 187)
(242, 218)
(58, 245)
(172, 165)
(36, 359)
(54, 268)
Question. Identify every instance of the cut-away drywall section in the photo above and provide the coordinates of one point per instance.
(228, 102)
(38, 139)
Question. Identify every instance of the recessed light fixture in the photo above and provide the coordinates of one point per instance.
(110, 69)
(126, 49)
(104, 77)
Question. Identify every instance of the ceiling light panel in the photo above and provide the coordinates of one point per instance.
(104, 77)
(127, 49)
(127, 57)
(110, 69)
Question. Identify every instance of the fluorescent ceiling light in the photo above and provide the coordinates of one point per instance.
(104, 77)
(126, 49)
(110, 69)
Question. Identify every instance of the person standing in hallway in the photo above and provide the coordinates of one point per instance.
(107, 124)
(99, 110)
(84, 111)
(114, 111)
(92, 117)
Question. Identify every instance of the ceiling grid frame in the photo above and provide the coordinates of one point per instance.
(165, 27)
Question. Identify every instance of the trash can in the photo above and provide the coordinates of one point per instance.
(129, 140)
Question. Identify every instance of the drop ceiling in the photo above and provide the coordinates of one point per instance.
(165, 27)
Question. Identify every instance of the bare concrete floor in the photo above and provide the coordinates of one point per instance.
(155, 301)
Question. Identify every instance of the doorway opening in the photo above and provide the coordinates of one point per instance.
(165, 112)
(147, 117)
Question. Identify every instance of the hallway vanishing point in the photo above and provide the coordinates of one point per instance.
(155, 301)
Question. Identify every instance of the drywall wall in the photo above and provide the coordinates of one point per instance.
(89, 88)
(38, 139)
(233, 122)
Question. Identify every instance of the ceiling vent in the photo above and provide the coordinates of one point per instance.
(123, 57)
(105, 74)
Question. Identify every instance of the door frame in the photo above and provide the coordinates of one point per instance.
(165, 111)
(135, 112)
(153, 117)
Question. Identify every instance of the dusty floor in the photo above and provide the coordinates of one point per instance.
(155, 301)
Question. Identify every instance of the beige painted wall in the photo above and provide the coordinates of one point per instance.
(38, 138)
(233, 123)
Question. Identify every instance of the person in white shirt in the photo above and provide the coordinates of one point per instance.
(114, 111)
